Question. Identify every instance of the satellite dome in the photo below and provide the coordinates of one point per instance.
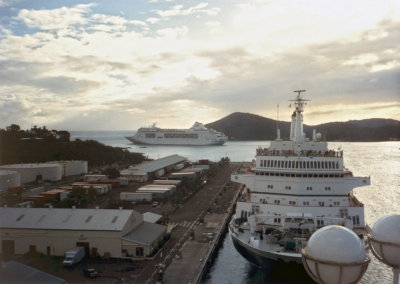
(337, 244)
(387, 230)
(329, 250)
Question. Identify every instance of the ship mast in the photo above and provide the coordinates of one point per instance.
(298, 135)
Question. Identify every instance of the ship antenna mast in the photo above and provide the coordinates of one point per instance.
(299, 92)
(278, 131)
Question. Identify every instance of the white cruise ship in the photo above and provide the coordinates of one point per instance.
(197, 135)
(295, 187)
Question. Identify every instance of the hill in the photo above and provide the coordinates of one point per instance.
(43, 145)
(247, 126)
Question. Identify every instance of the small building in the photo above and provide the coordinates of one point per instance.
(54, 194)
(36, 172)
(182, 175)
(167, 181)
(136, 196)
(13, 272)
(134, 175)
(114, 233)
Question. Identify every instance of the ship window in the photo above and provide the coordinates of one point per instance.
(311, 164)
(343, 213)
(336, 203)
(319, 165)
(279, 164)
(356, 220)
(150, 135)
(321, 203)
(309, 187)
(330, 165)
(297, 165)
(306, 203)
(268, 163)
(322, 164)
(337, 165)
(308, 165)
(315, 165)
(326, 165)
(320, 223)
(275, 163)
(285, 164)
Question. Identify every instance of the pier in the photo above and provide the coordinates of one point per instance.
(197, 229)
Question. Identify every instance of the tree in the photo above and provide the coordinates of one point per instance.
(13, 128)
(112, 172)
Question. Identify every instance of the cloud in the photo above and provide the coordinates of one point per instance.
(55, 19)
(178, 64)
(179, 10)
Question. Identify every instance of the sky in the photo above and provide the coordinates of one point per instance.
(123, 64)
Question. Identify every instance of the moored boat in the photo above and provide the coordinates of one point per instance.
(295, 187)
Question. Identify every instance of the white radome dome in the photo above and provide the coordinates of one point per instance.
(337, 245)
(318, 136)
(387, 229)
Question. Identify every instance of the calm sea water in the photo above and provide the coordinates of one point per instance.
(379, 160)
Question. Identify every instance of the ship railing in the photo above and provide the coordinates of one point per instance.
(302, 153)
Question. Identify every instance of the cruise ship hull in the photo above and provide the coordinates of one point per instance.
(177, 142)
(263, 258)
(272, 264)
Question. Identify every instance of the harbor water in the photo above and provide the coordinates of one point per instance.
(380, 160)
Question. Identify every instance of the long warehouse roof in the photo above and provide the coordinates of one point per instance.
(155, 165)
(66, 219)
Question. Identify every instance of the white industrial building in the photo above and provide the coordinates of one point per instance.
(114, 233)
(37, 171)
(72, 168)
(9, 179)
(153, 169)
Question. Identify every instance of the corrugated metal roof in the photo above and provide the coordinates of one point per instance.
(155, 165)
(151, 217)
(66, 219)
(145, 234)
(15, 272)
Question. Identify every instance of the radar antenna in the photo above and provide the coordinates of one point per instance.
(299, 92)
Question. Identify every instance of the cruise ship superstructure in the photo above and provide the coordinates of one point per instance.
(197, 135)
(295, 187)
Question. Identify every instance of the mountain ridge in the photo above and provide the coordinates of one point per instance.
(246, 126)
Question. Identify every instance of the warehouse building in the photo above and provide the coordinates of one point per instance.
(153, 169)
(114, 233)
(72, 168)
(9, 179)
(35, 172)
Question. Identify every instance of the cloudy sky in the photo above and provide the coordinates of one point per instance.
(112, 65)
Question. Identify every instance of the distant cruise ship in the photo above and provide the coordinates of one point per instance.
(197, 135)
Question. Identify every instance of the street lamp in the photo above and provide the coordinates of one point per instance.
(335, 255)
(384, 242)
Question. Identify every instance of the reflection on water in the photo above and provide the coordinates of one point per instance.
(380, 160)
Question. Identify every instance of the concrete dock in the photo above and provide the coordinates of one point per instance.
(190, 262)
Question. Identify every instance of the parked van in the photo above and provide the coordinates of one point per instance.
(73, 256)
